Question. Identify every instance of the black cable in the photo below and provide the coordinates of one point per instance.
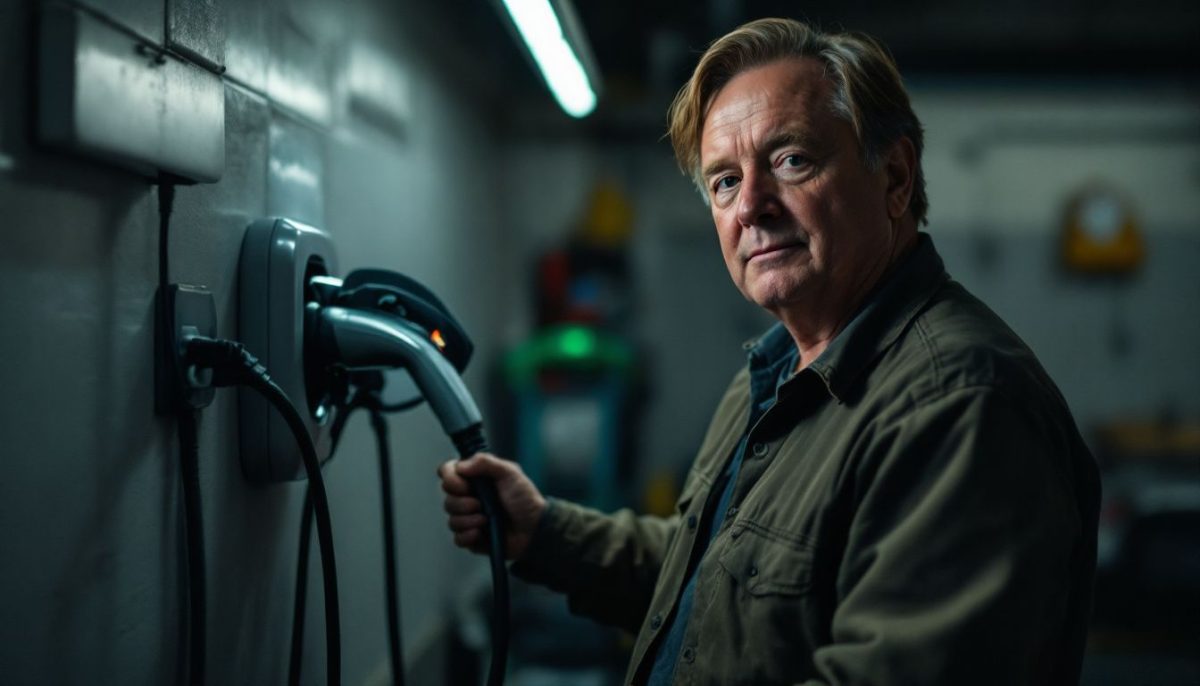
(166, 201)
(189, 469)
(299, 602)
(369, 400)
(339, 421)
(468, 442)
(189, 452)
(232, 364)
(320, 502)
(395, 643)
(401, 406)
(300, 599)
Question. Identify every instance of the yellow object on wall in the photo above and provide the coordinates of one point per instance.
(1101, 234)
(608, 221)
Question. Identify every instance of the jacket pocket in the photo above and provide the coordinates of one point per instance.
(764, 564)
(756, 620)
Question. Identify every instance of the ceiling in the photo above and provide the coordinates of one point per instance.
(645, 49)
(1016, 37)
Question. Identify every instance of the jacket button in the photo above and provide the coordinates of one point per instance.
(753, 570)
(688, 654)
(760, 449)
(691, 521)
(656, 622)
(731, 513)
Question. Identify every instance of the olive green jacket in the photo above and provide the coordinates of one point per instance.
(917, 507)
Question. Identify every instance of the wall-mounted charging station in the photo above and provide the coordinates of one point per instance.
(279, 258)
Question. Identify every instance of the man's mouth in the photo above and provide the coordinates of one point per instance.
(769, 251)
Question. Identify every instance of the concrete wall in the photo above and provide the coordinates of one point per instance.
(91, 577)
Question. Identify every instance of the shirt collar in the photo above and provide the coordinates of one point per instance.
(772, 358)
(884, 314)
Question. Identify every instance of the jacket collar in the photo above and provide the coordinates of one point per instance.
(880, 320)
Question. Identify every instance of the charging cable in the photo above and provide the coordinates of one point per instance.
(373, 403)
(395, 645)
(468, 442)
(233, 365)
(189, 453)
(364, 339)
(189, 467)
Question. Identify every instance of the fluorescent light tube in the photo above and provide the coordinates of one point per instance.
(564, 73)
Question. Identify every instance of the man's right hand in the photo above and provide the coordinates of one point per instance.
(522, 502)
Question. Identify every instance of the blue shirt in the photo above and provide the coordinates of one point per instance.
(772, 361)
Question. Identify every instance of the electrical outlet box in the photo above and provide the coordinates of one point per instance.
(181, 310)
(279, 258)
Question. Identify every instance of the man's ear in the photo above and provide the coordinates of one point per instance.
(901, 168)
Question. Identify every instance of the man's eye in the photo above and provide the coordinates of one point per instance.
(795, 161)
(725, 183)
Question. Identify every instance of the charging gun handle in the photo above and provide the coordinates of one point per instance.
(468, 442)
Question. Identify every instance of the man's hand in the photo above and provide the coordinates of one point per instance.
(523, 504)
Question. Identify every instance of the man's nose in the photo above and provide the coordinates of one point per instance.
(758, 199)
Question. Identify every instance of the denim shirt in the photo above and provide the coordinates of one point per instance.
(772, 361)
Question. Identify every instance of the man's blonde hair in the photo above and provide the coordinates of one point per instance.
(868, 92)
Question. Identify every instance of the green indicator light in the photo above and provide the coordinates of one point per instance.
(576, 343)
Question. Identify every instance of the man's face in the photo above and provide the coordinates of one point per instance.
(803, 225)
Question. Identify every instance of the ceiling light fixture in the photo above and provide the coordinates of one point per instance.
(560, 59)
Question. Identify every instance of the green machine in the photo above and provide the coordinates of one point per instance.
(572, 388)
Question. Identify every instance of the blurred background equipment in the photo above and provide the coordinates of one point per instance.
(572, 393)
(1147, 612)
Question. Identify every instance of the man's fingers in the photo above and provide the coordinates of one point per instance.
(452, 483)
(468, 539)
(465, 523)
(484, 464)
(461, 505)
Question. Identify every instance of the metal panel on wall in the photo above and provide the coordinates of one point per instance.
(103, 94)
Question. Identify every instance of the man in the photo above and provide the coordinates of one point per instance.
(893, 491)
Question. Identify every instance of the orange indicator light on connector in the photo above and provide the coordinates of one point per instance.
(436, 337)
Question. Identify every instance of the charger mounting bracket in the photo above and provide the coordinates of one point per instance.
(278, 260)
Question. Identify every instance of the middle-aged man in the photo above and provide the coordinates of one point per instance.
(892, 491)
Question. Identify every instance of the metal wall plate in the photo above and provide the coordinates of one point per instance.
(102, 93)
(277, 257)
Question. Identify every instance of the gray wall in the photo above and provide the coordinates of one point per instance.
(91, 577)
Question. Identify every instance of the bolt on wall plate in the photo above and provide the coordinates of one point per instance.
(279, 257)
